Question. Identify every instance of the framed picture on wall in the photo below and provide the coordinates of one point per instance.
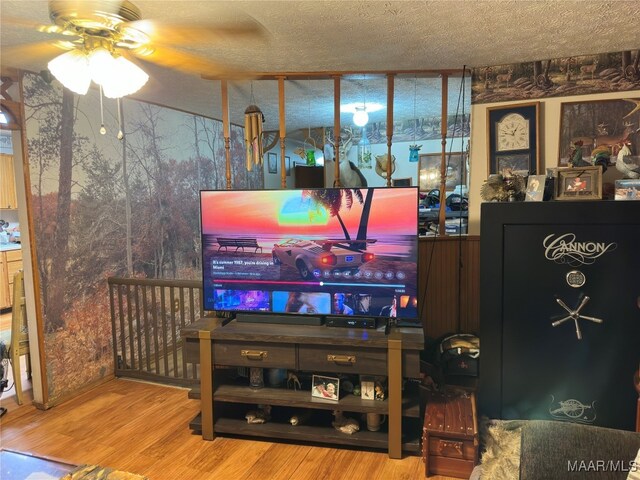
(429, 170)
(272, 162)
(598, 128)
(513, 137)
(288, 166)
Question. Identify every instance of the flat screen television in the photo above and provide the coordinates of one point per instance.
(334, 251)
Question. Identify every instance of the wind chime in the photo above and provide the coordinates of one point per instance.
(414, 156)
(253, 120)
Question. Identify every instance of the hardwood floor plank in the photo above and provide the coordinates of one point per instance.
(313, 464)
(143, 428)
(279, 462)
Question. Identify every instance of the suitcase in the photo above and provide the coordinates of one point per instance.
(450, 433)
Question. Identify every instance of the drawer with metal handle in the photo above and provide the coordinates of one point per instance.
(446, 447)
(244, 354)
(320, 358)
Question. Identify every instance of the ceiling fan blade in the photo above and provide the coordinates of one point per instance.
(167, 34)
(31, 52)
(30, 24)
(187, 62)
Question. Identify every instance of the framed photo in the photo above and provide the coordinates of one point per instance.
(535, 188)
(401, 182)
(429, 171)
(367, 387)
(513, 137)
(579, 183)
(288, 166)
(327, 388)
(628, 189)
(516, 162)
(272, 162)
(602, 125)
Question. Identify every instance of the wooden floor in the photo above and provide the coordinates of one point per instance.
(142, 428)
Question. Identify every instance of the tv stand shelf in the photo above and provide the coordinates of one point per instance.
(310, 349)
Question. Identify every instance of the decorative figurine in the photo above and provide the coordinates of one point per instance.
(300, 418)
(345, 424)
(293, 382)
(624, 164)
(261, 415)
(379, 389)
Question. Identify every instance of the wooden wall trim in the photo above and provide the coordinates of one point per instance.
(449, 284)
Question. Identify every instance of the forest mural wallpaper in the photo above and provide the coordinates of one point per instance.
(558, 77)
(104, 206)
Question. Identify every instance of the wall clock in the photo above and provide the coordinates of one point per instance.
(513, 138)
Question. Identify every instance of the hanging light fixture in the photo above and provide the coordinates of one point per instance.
(360, 116)
(118, 76)
(253, 120)
(72, 70)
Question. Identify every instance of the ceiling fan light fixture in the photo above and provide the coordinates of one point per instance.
(360, 117)
(125, 78)
(101, 65)
(72, 70)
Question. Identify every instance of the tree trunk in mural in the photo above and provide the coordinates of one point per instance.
(198, 158)
(164, 234)
(57, 286)
(127, 198)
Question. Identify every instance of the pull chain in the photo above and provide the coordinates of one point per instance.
(120, 133)
(103, 130)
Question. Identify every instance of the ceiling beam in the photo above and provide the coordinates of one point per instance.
(327, 75)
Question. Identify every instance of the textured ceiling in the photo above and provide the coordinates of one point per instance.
(312, 36)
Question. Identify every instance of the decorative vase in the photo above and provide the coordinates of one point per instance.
(414, 156)
(256, 379)
(277, 376)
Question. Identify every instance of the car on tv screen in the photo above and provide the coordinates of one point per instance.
(311, 257)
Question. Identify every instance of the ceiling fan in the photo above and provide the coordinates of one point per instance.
(104, 39)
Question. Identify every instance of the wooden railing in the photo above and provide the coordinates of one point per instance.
(146, 318)
(147, 315)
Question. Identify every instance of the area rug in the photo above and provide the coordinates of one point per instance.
(96, 472)
(501, 456)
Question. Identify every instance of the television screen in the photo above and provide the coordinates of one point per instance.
(334, 251)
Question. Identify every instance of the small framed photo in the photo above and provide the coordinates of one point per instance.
(367, 387)
(535, 188)
(272, 162)
(287, 165)
(401, 182)
(516, 162)
(327, 388)
(579, 183)
(628, 189)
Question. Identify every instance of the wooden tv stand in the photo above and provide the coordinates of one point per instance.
(313, 349)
